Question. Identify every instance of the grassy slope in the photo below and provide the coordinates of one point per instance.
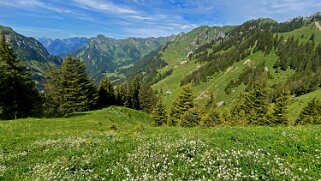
(218, 82)
(83, 147)
(306, 31)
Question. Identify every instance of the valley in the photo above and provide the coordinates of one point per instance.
(219, 102)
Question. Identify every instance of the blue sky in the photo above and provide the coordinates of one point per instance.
(139, 18)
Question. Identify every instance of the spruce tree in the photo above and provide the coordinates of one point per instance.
(132, 94)
(52, 93)
(253, 106)
(78, 91)
(191, 118)
(159, 113)
(211, 117)
(18, 94)
(147, 98)
(282, 101)
(106, 93)
(182, 104)
(311, 114)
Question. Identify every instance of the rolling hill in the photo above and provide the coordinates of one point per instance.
(170, 86)
(31, 52)
(119, 143)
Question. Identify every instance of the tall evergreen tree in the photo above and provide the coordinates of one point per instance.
(311, 114)
(147, 98)
(106, 93)
(79, 92)
(132, 94)
(281, 108)
(253, 107)
(18, 94)
(182, 104)
(159, 113)
(211, 117)
(191, 118)
(53, 93)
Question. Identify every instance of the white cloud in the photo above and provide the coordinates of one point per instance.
(104, 6)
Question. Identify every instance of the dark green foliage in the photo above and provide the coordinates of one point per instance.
(79, 92)
(147, 67)
(132, 99)
(182, 104)
(253, 106)
(18, 94)
(191, 118)
(211, 116)
(305, 60)
(237, 48)
(249, 74)
(159, 113)
(311, 114)
(106, 93)
(282, 101)
(289, 25)
(53, 93)
(146, 97)
(69, 89)
(136, 94)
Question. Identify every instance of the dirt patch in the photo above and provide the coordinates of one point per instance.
(203, 95)
(248, 62)
(317, 24)
(229, 69)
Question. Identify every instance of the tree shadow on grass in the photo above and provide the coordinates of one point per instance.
(73, 115)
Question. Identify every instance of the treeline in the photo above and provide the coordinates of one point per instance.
(147, 68)
(236, 50)
(249, 74)
(305, 59)
(185, 112)
(18, 94)
(68, 89)
(259, 105)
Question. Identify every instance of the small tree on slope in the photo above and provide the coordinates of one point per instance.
(311, 114)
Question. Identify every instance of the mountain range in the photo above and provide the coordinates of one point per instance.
(62, 47)
(215, 59)
(31, 52)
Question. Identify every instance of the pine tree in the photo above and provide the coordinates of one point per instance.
(132, 93)
(52, 93)
(182, 104)
(18, 94)
(253, 105)
(211, 117)
(159, 113)
(311, 114)
(191, 118)
(147, 98)
(281, 108)
(106, 93)
(79, 92)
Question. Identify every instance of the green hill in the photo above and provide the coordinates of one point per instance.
(118, 144)
(170, 86)
(31, 52)
(104, 55)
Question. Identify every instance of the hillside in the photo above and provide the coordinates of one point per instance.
(105, 55)
(118, 143)
(31, 52)
(170, 86)
(164, 60)
(63, 47)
